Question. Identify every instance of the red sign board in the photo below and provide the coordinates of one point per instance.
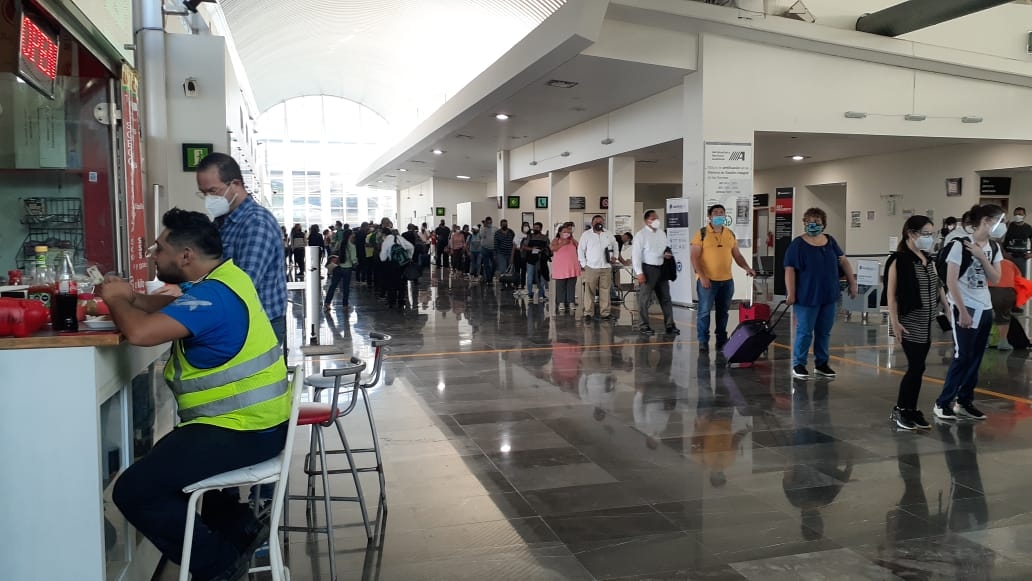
(136, 216)
(37, 55)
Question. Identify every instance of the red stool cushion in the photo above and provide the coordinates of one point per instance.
(315, 413)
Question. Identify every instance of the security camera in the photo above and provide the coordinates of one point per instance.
(191, 87)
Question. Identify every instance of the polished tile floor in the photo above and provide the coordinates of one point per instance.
(524, 445)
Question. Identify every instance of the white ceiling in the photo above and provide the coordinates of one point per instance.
(400, 58)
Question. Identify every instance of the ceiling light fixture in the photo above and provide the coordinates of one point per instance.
(437, 151)
(798, 157)
(402, 169)
(971, 119)
(855, 115)
(915, 117)
(607, 140)
(502, 117)
(559, 84)
(462, 177)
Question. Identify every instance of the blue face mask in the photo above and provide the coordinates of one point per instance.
(718, 221)
(813, 228)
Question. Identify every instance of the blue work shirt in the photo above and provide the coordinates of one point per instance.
(817, 271)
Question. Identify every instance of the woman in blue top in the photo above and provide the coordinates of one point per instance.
(812, 264)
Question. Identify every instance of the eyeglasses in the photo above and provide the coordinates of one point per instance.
(212, 191)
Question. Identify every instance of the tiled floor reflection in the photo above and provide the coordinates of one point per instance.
(523, 444)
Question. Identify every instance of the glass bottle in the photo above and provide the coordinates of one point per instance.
(42, 286)
(66, 299)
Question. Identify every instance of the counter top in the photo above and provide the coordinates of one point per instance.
(50, 339)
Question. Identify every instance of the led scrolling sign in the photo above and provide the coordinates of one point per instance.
(37, 56)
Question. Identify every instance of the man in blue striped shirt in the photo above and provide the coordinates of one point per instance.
(250, 234)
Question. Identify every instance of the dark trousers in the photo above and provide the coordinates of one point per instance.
(565, 290)
(149, 492)
(520, 266)
(970, 347)
(442, 256)
(299, 261)
(341, 278)
(393, 284)
(360, 267)
(654, 282)
(910, 385)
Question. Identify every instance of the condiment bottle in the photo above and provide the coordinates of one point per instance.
(63, 315)
(42, 287)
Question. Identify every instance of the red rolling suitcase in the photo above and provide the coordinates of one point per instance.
(753, 312)
(751, 338)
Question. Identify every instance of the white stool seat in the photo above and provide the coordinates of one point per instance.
(260, 473)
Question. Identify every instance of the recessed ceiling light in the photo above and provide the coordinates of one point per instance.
(797, 157)
(379, 181)
(502, 117)
(462, 177)
(437, 151)
(402, 169)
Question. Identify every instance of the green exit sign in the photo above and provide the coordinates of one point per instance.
(541, 202)
(513, 201)
(193, 153)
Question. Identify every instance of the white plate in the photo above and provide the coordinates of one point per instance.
(100, 325)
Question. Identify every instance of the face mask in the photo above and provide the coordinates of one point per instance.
(813, 228)
(598, 227)
(718, 221)
(998, 230)
(1019, 218)
(652, 224)
(565, 235)
(487, 224)
(526, 229)
(924, 243)
(218, 206)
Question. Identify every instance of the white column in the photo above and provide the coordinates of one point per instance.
(621, 194)
(558, 200)
(505, 187)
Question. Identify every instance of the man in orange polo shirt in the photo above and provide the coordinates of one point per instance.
(713, 248)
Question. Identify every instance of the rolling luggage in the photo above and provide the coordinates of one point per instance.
(507, 279)
(751, 338)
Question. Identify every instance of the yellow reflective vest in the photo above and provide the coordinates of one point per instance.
(248, 392)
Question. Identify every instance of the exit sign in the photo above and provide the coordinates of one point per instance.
(513, 202)
(193, 153)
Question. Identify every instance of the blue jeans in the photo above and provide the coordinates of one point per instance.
(342, 278)
(718, 294)
(534, 276)
(813, 324)
(503, 261)
(970, 346)
(474, 262)
(487, 262)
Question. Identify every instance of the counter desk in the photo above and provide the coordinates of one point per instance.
(77, 409)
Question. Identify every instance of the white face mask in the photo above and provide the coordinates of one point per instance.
(654, 224)
(924, 243)
(1019, 218)
(998, 230)
(218, 206)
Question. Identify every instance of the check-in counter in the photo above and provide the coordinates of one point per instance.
(77, 409)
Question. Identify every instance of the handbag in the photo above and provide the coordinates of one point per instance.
(669, 269)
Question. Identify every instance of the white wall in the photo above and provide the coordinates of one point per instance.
(918, 177)
(200, 119)
(415, 204)
(450, 193)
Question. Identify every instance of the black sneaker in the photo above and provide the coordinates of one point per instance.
(944, 413)
(902, 419)
(967, 411)
(647, 331)
(919, 420)
(720, 344)
(703, 347)
(800, 372)
(824, 370)
(672, 330)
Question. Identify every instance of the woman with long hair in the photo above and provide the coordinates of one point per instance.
(565, 267)
(913, 295)
(971, 265)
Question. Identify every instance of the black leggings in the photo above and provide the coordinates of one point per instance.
(910, 385)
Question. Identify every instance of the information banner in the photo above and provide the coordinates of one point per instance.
(135, 215)
(679, 234)
(729, 182)
(783, 219)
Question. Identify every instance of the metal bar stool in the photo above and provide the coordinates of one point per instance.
(323, 415)
(380, 342)
(275, 469)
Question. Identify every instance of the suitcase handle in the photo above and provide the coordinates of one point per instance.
(771, 323)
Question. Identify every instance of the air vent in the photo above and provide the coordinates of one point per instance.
(558, 84)
(648, 161)
(417, 161)
(463, 136)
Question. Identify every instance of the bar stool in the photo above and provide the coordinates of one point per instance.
(319, 416)
(272, 470)
(380, 342)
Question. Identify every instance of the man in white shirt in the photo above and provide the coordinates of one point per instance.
(596, 252)
(650, 248)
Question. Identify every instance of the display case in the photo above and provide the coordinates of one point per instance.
(55, 223)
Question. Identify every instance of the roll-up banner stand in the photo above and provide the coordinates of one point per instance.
(679, 235)
(783, 219)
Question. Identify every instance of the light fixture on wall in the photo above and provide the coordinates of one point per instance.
(462, 177)
(915, 117)
(855, 115)
(912, 116)
(971, 119)
(607, 140)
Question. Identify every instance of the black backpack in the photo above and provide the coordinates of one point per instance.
(965, 257)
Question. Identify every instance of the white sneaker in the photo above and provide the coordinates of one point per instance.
(1004, 345)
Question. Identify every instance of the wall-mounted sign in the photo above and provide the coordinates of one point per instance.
(784, 200)
(512, 202)
(577, 202)
(193, 153)
(541, 202)
(953, 187)
(994, 186)
(37, 54)
(603, 203)
(761, 200)
(439, 212)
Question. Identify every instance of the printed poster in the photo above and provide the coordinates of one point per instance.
(728, 181)
(679, 234)
(783, 219)
(135, 216)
